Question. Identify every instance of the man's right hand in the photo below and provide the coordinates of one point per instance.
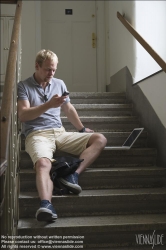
(56, 101)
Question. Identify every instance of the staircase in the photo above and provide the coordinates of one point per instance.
(124, 194)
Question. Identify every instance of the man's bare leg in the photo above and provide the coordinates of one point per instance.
(43, 181)
(46, 212)
(95, 145)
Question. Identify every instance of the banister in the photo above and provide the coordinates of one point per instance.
(6, 107)
(140, 39)
(3, 165)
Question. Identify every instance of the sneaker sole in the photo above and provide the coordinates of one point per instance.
(74, 188)
(44, 214)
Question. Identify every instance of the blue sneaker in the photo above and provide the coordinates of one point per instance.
(46, 212)
(71, 183)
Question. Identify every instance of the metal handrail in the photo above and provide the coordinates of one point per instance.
(6, 107)
(140, 39)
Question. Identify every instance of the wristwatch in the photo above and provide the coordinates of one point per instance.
(82, 130)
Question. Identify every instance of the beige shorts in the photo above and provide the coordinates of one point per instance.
(43, 143)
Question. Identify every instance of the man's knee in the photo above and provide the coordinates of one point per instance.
(43, 165)
(98, 139)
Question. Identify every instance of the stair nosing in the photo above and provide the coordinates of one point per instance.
(104, 192)
(118, 222)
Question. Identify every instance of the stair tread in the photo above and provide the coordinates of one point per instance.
(122, 133)
(112, 169)
(102, 106)
(125, 169)
(104, 192)
(109, 118)
(114, 221)
(96, 94)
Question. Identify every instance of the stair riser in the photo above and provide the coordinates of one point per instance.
(74, 206)
(99, 237)
(97, 95)
(105, 182)
(119, 123)
(101, 113)
(105, 161)
(126, 160)
(99, 101)
(104, 126)
(103, 109)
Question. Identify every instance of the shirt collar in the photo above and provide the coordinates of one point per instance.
(34, 81)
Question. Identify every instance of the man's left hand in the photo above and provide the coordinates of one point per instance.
(88, 130)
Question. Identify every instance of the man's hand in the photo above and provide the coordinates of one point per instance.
(88, 130)
(56, 101)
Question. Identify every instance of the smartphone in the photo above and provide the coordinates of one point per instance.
(65, 93)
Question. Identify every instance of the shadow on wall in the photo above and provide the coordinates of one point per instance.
(121, 42)
(148, 118)
(144, 110)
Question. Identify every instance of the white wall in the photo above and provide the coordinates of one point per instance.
(121, 42)
(150, 20)
(31, 36)
(8, 9)
(154, 89)
(125, 51)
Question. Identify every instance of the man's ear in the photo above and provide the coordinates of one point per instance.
(37, 66)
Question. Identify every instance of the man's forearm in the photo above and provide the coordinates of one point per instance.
(74, 118)
(27, 114)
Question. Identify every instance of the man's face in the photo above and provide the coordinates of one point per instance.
(47, 70)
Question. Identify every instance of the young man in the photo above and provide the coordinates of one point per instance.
(40, 100)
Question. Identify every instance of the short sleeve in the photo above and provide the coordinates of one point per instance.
(64, 89)
(21, 92)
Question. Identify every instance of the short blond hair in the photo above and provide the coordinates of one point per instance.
(44, 54)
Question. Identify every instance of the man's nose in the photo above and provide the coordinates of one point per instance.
(51, 73)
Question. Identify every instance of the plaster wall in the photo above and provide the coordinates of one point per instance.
(31, 36)
(8, 9)
(124, 50)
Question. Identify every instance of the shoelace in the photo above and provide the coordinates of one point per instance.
(73, 179)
